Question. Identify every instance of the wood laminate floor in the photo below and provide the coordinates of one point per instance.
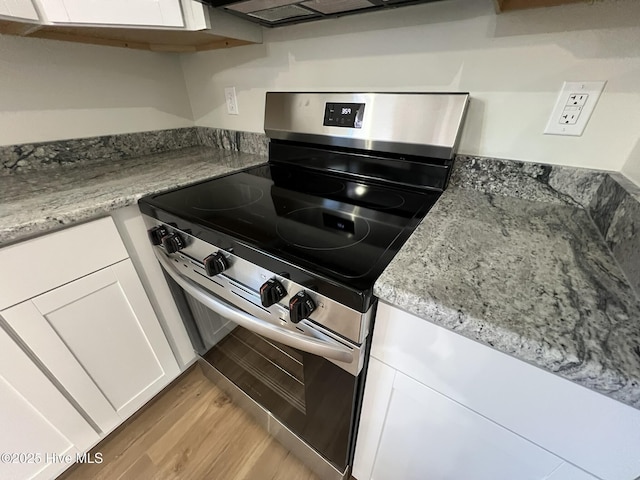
(191, 431)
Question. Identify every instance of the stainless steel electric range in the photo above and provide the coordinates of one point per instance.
(273, 267)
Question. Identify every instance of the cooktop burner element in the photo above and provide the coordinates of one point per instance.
(330, 229)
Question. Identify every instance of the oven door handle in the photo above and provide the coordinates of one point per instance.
(326, 347)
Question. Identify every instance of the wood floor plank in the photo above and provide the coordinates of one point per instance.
(141, 468)
(191, 431)
(272, 465)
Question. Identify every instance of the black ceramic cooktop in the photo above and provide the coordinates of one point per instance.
(326, 223)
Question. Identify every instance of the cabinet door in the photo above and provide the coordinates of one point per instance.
(427, 435)
(18, 9)
(160, 13)
(36, 421)
(550, 411)
(101, 340)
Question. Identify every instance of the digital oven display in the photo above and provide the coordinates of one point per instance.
(343, 115)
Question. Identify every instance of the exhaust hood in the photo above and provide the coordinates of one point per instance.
(274, 13)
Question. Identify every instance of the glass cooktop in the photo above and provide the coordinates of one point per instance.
(327, 223)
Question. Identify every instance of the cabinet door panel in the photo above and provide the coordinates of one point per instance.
(27, 321)
(101, 340)
(161, 13)
(378, 389)
(26, 431)
(35, 417)
(103, 333)
(107, 323)
(548, 410)
(426, 435)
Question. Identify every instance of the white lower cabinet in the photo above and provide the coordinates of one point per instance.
(39, 426)
(425, 435)
(438, 406)
(101, 340)
(81, 348)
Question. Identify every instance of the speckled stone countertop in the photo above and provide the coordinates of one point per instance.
(42, 201)
(532, 279)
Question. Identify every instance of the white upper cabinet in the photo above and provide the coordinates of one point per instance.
(156, 25)
(19, 9)
(151, 13)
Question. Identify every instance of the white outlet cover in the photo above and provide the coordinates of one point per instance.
(573, 108)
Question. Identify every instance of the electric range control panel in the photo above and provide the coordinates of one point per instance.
(233, 277)
(347, 115)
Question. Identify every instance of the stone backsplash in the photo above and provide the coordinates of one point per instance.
(38, 156)
(28, 157)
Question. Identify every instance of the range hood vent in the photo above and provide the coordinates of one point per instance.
(275, 13)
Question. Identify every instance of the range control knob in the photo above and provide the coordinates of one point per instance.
(271, 292)
(215, 264)
(300, 306)
(156, 234)
(173, 242)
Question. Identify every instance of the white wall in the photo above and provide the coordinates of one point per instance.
(513, 64)
(53, 90)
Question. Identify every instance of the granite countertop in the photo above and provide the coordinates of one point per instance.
(35, 202)
(531, 279)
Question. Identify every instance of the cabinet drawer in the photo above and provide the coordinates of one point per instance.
(36, 266)
(18, 9)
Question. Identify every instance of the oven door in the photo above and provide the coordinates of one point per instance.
(308, 379)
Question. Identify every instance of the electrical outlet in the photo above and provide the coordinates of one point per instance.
(578, 99)
(231, 100)
(574, 107)
(570, 115)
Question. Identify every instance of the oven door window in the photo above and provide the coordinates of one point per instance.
(312, 396)
(252, 358)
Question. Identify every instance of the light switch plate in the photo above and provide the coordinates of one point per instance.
(574, 107)
(231, 100)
